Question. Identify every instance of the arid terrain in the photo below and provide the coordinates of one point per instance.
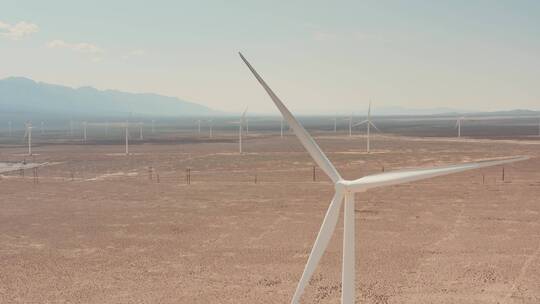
(101, 227)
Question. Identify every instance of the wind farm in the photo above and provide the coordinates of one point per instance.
(205, 152)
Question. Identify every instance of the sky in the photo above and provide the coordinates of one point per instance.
(320, 57)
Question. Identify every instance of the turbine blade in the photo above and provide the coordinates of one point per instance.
(323, 238)
(360, 123)
(405, 176)
(373, 125)
(307, 141)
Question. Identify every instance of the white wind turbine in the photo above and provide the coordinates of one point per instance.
(127, 137)
(346, 190)
(240, 123)
(539, 126)
(210, 126)
(350, 120)
(85, 124)
(458, 126)
(28, 134)
(140, 131)
(368, 123)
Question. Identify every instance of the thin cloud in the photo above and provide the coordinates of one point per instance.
(18, 30)
(80, 47)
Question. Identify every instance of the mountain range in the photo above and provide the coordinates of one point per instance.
(21, 95)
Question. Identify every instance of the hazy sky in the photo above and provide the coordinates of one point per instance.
(319, 56)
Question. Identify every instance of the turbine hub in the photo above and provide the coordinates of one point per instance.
(342, 186)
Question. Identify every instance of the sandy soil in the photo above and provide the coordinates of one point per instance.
(100, 228)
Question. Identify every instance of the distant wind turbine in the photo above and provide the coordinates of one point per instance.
(42, 128)
(240, 123)
(350, 120)
(210, 126)
(127, 137)
(140, 130)
(345, 190)
(28, 135)
(458, 126)
(199, 126)
(84, 130)
(368, 123)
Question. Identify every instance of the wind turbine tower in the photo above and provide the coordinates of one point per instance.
(28, 134)
(458, 126)
(210, 126)
(241, 122)
(84, 131)
(350, 120)
(127, 137)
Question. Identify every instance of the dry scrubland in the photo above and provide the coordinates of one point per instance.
(112, 235)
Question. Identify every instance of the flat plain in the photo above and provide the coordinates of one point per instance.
(102, 227)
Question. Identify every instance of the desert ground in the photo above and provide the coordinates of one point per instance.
(98, 226)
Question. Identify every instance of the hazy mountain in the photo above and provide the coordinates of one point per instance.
(23, 95)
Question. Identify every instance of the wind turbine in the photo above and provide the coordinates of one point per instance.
(140, 130)
(350, 120)
(458, 126)
(210, 125)
(84, 130)
(345, 190)
(240, 124)
(127, 137)
(42, 128)
(199, 126)
(335, 124)
(368, 123)
(28, 134)
(539, 126)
